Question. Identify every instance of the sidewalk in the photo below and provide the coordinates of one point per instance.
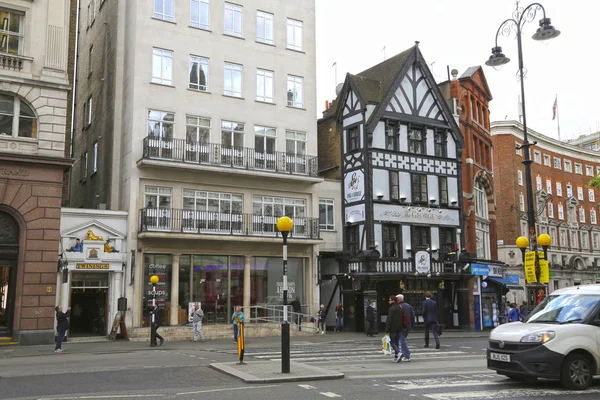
(123, 346)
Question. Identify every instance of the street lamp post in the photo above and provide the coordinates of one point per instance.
(153, 280)
(285, 225)
(545, 32)
(544, 240)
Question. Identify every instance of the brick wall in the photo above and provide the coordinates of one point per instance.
(329, 142)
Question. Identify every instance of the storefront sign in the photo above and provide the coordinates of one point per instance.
(416, 215)
(422, 262)
(92, 266)
(530, 267)
(513, 279)
(544, 268)
(355, 213)
(354, 186)
(487, 270)
(291, 290)
(14, 172)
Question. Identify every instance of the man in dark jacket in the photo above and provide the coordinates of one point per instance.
(409, 316)
(394, 326)
(157, 321)
(62, 325)
(430, 318)
(370, 331)
(297, 308)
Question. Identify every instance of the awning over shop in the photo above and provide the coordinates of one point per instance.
(509, 285)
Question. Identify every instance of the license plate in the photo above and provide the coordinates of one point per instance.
(500, 357)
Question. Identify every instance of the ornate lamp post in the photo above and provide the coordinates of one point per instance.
(153, 280)
(285, 225)
(545, 32)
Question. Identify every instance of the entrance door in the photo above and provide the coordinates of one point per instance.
(9, 250)
(89, 304)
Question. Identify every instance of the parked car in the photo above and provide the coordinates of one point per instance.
(559, 339)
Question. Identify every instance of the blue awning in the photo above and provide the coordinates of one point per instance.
(510, 285)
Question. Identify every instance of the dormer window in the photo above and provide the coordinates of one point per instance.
(17, 119)
(11, 32)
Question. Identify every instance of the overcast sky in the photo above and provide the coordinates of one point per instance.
(460, 34)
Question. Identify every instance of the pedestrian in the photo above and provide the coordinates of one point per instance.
(394, 327)
(370, 331)
(297, 308)
(62, 325)
(339, 317)
(237, 317)
(514, 315)
(408, 322)
(430, 318)
(524, 309)
(321, 319)
(197, 316)
(157, 314)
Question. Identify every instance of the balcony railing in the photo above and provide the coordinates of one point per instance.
(400, 266)
(210, 223)
(213, 154)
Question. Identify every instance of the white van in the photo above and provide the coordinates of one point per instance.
(560, 339)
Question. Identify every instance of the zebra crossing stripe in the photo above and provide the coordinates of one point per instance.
(508, 394)
(330, 394)
(415, 386)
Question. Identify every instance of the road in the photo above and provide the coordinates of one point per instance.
(179, 370)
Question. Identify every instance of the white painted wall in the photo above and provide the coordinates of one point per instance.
(433, 189)
(405, 188)
(381, 183)
(453, 189)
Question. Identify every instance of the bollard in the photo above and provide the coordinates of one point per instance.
(240, 342)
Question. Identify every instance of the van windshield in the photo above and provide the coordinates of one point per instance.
(568, 308)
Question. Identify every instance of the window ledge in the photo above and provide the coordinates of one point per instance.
(199, 28)
(199, 91)
(266, 44)
(18, 139)
(297, 108)
(234, 97)
(296, 51)
(164, 20)
(266, 102)
(234, 36)
(162, 84)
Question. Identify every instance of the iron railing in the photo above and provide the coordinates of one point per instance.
(273, 314)
(200, 222)
(214, 154)
(402, 266)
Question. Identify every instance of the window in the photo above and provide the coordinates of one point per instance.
(548, 186)
(584, 240)
(394, 185)
(569, 190)
(538, 182)
(519, 149)
(233, 19)
(17, 119)
(447, 244)
(482, 221)
(352, 239)
(591, 195)
(561, 213)
(90, 55)
(550, 208)
(596, 240)
(520, 177)
(160, 126)
(416, 141)
(198, 73)
(197, 138)
(557, 163)
(200, 14)
(578, 169)
(205, 210)
(163, 9)
(11, 32)
(158, 197)
(589, 170)
(537, 157)
(89, 112)
(521, 202)
(326, 220)
(353, 138)
(419, 188)
(294, 34)
(264, 27)
(574, 239)
(443, 183)
(391, 135)
(579, 193)
(95, 157)
(264, 86)
(546, 160)
(568, 166)
(420, 238)
(162, 66)
(233, 80)
(276, 207)
(582, 215)
(295, 92)
(440, 143)
(232, 134)
(558, 189)
(264, 147)
(391, 240)
(593, 216)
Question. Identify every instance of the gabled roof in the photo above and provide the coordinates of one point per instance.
(91, 225)
(477, 75)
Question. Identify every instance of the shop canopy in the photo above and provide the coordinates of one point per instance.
(509, 285)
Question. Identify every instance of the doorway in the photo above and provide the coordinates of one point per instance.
(89, 304)
(8, 280)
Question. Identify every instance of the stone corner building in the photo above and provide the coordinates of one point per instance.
(33, 108)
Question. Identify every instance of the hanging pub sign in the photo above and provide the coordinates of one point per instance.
(544, 268)
(422, 262)
(530, 267)
(354, 186)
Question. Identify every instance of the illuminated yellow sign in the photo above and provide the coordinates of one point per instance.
(530, 267)
(92, 266)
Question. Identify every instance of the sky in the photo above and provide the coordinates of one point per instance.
(460, 34)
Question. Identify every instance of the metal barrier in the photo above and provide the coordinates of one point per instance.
(273, 314)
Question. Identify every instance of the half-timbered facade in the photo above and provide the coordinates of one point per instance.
(400, 159)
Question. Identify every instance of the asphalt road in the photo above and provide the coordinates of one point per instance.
(179, 370)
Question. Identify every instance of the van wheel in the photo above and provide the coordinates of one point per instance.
(576, 372)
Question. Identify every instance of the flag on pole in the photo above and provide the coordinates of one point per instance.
(554, 108)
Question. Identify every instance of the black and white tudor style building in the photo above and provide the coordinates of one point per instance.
(401, 190)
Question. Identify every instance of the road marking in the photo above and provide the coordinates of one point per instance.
(407, 374)
(508, 394)
(465, 347)
(228, 389)
(121, 396)
(330, 394)
(307, 387)
(413, 386)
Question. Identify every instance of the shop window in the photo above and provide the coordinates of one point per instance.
(159, 265)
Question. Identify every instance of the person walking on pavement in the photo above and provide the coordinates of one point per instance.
(157, 314)
(394, 326)
(197, 316)
(370, 331)
(409, 323)
(524, 309)
(321, 319)
(339, 317)
(514, 315)
(297, 308)
(430, 318)
(62, 325)
(237, 316)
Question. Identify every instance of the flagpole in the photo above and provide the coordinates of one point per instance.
(557, 118)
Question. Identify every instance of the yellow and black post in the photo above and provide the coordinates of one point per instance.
(240, 342)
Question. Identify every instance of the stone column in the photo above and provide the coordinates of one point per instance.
(117, 285)
(247, 263)
(175, 291)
